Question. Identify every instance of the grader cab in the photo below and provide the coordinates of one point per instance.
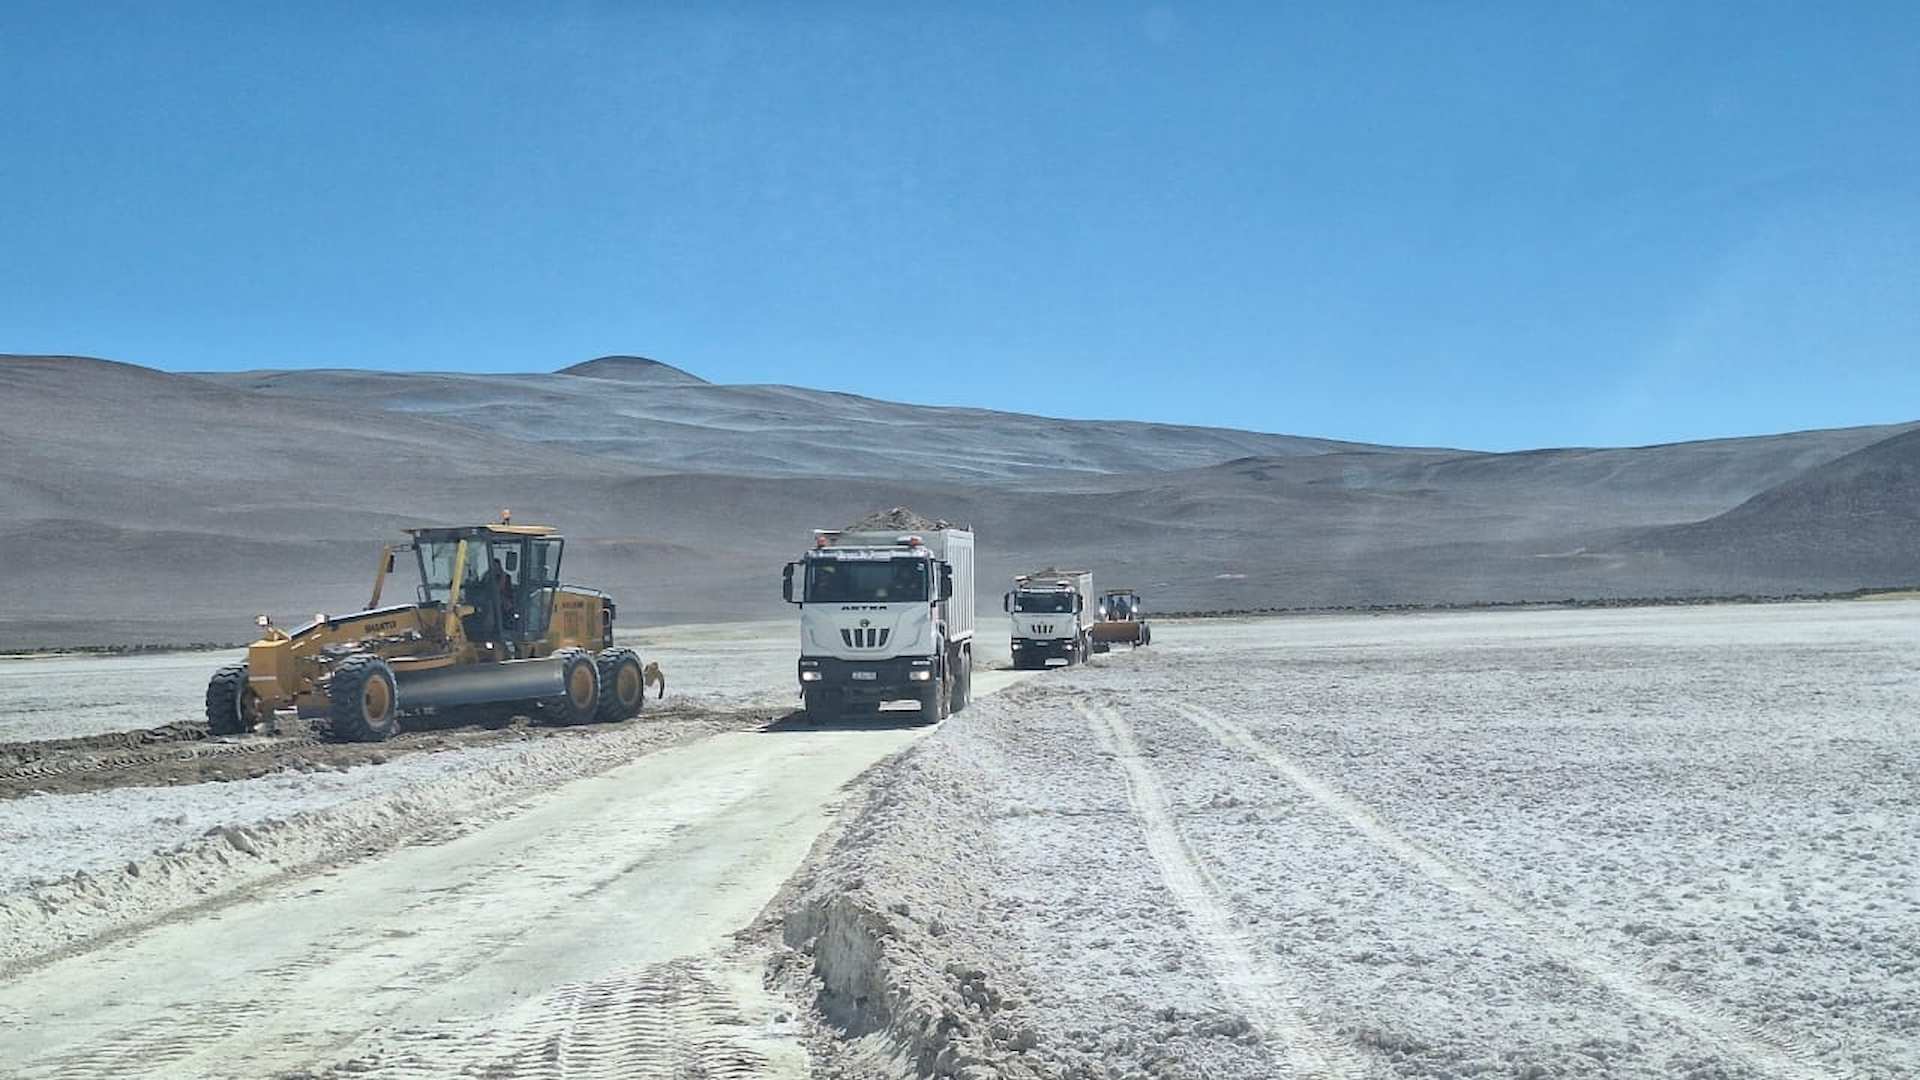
(490, 627)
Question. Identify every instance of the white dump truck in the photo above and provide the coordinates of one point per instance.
(886, 614)
(1052, 613)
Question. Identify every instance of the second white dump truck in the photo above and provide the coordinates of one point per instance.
(886, 614)
(1053, 613)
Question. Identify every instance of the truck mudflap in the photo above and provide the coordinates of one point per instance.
(892, 679)
(480, 684)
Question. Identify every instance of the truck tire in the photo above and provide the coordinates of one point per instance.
(230, 701)
(579, 700)
(623, 684)
(363, 701)
(934, 701)
(822, 706)
(962, 682)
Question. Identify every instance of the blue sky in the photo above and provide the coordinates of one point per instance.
(1496, 226)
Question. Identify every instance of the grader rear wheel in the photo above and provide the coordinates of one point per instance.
(623, 684)
(579, 700)
(363, 700)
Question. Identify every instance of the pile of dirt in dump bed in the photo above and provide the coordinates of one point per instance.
(899, 517)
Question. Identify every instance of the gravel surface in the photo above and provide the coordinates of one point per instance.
(94, 843)
(1646, 843)
(48, 837)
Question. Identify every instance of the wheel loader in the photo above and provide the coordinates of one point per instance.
(490, 628)
(1123, 621)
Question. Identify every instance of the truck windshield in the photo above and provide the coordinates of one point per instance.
(880, 581)
(1039, 602)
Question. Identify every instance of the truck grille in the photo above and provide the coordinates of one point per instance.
(865, 638)
(1043, 628)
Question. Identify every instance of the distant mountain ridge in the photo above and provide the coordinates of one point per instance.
(162, 507)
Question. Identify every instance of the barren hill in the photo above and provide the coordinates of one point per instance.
(167, 507)
(1853, 520)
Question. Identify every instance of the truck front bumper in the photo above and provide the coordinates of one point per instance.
(1045, 649)
(892, 679)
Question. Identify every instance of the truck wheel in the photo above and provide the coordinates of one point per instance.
(231, 703)
(934, 701)
(963, 682)
(579, 700)
(822, 706)
(623, 684)
(363, 701)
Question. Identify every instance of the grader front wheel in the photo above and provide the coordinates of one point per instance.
(232, 706)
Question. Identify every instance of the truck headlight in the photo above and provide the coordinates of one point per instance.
(810, 676)
(920, 676)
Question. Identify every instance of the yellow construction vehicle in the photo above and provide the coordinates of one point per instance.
(490, 627)
(1123, 621)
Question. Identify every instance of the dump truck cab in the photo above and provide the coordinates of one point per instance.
(490, 625)
(1052, 612)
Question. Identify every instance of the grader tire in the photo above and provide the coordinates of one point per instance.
(623, 684)
(363, 700)
(228, 701)
(579, 701)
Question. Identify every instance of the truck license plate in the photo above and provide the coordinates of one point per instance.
(867, 675)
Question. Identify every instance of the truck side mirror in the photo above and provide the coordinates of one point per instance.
(1006, 603)
(786, 585)
(946, 581)
(389, 562)
(1079, 603)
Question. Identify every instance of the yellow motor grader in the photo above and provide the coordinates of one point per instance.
(490, 627)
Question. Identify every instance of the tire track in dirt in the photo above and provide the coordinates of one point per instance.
(1713, 1025)
(1268, 995)
(669, 1021)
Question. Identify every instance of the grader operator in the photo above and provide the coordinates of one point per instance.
(490, 627)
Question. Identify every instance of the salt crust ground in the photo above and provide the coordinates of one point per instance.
(1630, 844)
(76, 865)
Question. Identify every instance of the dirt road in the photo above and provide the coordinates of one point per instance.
(515, 944)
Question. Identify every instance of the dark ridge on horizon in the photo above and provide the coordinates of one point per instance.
(637, 369)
